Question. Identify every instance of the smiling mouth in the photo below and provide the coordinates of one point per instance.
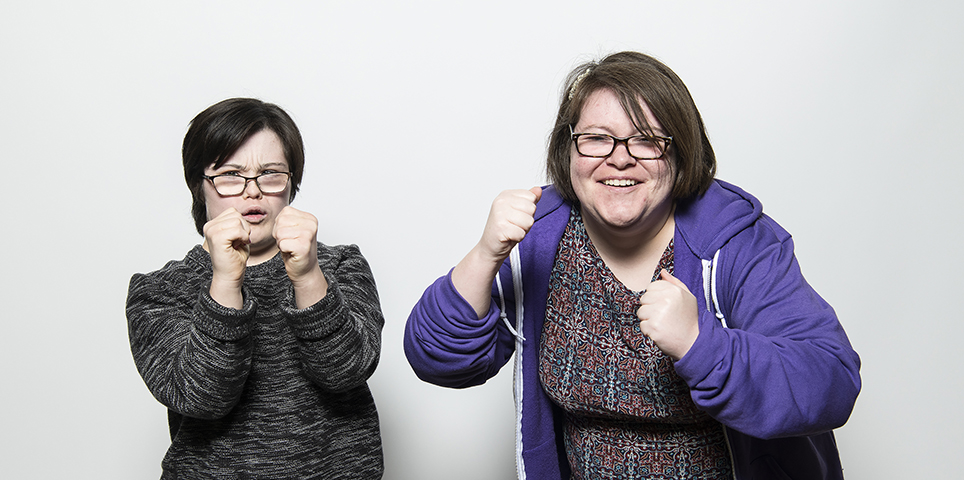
(621, 182)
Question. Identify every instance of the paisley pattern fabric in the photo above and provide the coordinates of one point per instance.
(628, 414)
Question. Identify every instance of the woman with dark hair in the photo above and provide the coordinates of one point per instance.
(661, 326)
(261, 340)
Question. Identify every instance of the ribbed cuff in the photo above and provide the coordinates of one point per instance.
(224, 323)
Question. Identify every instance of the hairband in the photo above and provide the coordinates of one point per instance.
(577, 81)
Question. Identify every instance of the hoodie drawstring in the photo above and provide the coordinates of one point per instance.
(709, 287)
(515, 262)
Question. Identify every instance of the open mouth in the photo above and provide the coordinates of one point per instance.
(620, 182)
(253, 214)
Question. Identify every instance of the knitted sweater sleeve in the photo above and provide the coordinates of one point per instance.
(193, 353)
(340, 336)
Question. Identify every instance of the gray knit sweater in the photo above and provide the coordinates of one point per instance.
(267, 391)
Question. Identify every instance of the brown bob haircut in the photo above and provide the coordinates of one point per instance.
(219, 131)
(633, 76)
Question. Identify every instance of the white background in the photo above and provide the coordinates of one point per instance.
(844, 118)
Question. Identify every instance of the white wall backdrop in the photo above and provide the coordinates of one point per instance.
(844, 118)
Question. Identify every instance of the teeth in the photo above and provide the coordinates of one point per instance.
(620, 183)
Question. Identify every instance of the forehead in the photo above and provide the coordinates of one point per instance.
(263, 149)
(604, 108)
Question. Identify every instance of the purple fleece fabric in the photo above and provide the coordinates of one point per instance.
(780, 378)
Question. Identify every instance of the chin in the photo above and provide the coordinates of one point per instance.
(620, 224)
(622, 217)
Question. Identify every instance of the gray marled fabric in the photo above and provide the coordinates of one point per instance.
(268, 391)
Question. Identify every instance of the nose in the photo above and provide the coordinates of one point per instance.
(251, 188)
(620, 158)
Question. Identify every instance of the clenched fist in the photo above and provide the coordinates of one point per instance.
(226, 238)
(510, 218)
(668, 315)
(296, 233)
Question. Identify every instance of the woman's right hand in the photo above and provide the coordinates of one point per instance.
(226, 238)
(510, 218)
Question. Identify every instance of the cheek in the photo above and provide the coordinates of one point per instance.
(575, 180)
(579, 170)
(213, 203)
(663, 185)
(664, 173)
(280, 204)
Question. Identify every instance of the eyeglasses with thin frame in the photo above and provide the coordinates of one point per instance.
(601, 145)
(233, 184)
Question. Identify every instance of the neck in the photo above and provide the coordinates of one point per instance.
(632, 254)
(256, 257)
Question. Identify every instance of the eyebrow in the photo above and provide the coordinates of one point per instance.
(656, 133)
(260, 165)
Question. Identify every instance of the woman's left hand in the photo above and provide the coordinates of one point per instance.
(296, 233)
(668, 315)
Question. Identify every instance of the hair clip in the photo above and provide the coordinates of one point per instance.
(577, 81)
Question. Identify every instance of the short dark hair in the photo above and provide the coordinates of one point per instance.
(219, 131)
(633, 76)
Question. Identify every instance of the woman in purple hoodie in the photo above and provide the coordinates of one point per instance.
(661, 325)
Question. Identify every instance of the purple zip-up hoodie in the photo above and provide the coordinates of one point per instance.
(771, 361)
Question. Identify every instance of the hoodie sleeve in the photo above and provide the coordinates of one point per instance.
(785, 367)
(448, 345)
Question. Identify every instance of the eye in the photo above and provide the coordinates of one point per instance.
(642, 141)
(594, 138)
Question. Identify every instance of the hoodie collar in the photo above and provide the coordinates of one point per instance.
(709, 221)
(705, 223)
(549, 202)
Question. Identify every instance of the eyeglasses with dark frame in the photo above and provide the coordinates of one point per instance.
(601, 145)
(232, 184)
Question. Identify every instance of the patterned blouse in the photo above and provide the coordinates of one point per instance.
(628, 415)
